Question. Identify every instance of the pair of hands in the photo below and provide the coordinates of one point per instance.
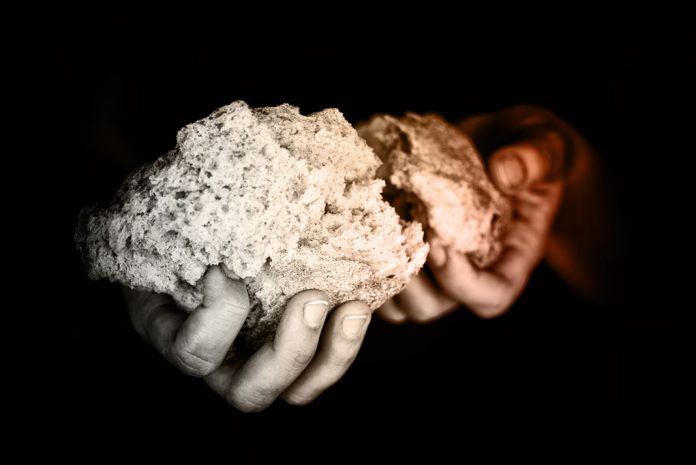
(534, 157)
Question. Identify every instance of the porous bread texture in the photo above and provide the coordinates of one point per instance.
(436, 177)
(285, 202)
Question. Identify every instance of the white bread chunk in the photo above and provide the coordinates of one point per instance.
(285, 202)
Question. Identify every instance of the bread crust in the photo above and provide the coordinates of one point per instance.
(435, 176)
(285, 202)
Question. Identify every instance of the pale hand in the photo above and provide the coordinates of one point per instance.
(311, 350)
(543, 161)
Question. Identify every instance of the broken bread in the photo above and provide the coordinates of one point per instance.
(285, 202)
(288, 202)
(436, 177)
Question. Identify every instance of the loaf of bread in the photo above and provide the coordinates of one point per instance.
(285, 202)
(435, 177)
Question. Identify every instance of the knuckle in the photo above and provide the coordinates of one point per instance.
(231, 302)
(300, 356)
(340, 359)
(529, 237)
(191, 363)
(343, 361)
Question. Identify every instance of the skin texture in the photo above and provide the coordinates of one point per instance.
(560, 213)
(312, 349)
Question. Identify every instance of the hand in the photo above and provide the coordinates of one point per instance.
(537, 159)
(307, 355)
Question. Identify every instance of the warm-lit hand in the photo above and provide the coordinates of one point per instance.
(537, 159)
(311, 350)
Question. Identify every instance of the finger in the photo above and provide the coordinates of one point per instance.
(515, 167)
(437, 258)
(340, 342)
(391, 312)
(155, 317)
(208, 333)
(423, 302)
(253, 386)
(524, 245)
(537, 206)
(484, 293)
(197, 344)
(488, 131)
(490, 292)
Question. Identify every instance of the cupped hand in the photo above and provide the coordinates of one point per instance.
(537, 159)
(312, 348)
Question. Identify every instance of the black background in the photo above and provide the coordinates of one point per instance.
(93, 94)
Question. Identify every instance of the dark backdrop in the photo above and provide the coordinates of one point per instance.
(93, 94)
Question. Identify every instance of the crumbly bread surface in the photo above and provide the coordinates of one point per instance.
(436, 177)
(285, 202)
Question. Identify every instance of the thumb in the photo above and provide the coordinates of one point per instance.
(521, 164)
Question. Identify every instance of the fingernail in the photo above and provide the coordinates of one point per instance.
(353, 325)
(509, 170)
(314, 312)
(438, 257)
